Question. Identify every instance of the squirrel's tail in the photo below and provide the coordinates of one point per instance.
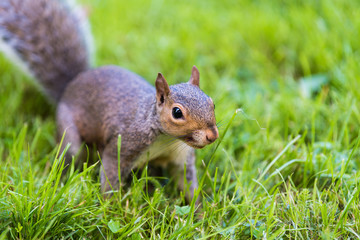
(48, 39)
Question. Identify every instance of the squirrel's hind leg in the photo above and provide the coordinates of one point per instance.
(68, 131)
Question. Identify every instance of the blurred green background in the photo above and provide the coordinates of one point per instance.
(293, 69)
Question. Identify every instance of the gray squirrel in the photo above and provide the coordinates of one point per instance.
(51, 41)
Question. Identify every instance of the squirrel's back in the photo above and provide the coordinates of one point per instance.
(49, 39)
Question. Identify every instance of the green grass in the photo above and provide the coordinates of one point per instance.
(287, 166)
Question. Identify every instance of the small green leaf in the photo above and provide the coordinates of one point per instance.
(135, 236)
(182, 210)
(19, 228)
(114, 226)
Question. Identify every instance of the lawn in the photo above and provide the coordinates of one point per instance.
(284, 76)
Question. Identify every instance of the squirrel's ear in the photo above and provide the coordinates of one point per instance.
(195, 76)
(162, 88)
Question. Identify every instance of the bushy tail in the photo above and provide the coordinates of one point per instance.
(48, 39)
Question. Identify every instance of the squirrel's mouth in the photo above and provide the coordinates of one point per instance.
(189, 140)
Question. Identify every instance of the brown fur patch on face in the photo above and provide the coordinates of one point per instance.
(198, 115)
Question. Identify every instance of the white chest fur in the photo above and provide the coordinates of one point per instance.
(163, 150)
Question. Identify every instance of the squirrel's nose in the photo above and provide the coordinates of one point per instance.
(212, 134)
(210, 139)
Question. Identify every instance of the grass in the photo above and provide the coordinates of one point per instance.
(286, 165)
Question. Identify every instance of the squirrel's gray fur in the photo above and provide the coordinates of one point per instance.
(160, 125)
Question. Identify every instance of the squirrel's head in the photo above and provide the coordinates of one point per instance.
(186, 112)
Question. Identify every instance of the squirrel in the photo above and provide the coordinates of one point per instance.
(51, 41)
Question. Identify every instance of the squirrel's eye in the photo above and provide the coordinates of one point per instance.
(176, 112)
